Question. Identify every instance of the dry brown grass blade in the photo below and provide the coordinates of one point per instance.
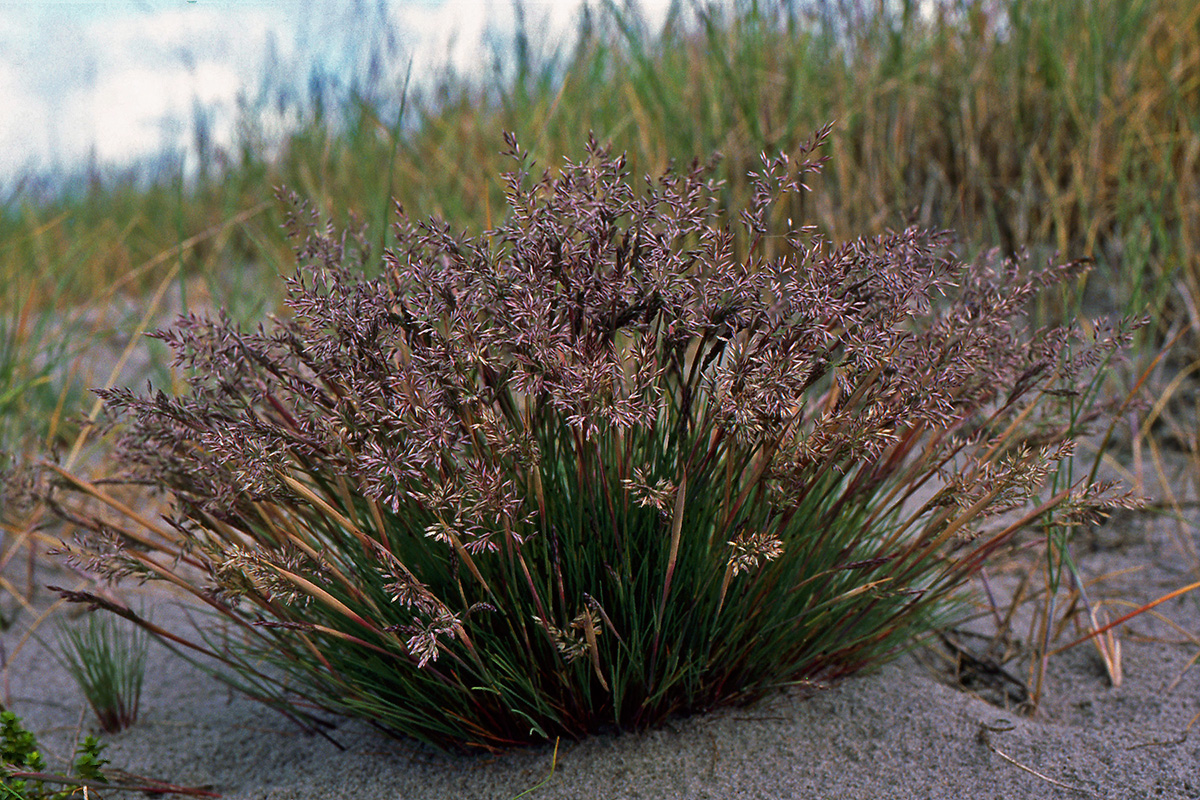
(16, 593)
(151, 309)
(1187, 544)
(676, 531)
(1108, 644)
(589, 633)
(29, 632)
(1125, 618)
(1130, 396)
(187, 244)
(91, 489)
(325, 597)
(127, 783)
(318, 501)
(986, 740)
(1179, 678)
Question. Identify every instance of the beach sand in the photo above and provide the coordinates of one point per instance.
(900, 732)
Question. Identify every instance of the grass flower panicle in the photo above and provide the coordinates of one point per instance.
(621, 457)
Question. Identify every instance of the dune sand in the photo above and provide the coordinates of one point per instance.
(901, 732)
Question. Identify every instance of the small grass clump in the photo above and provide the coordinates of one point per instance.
(109, 665)
(610, 461)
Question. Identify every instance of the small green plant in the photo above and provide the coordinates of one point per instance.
(609, 462)
(24, 773)
(108, 663)
(20, 751)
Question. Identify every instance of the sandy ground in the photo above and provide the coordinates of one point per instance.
(901, 732)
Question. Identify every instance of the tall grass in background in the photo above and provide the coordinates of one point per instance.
(1060, 124)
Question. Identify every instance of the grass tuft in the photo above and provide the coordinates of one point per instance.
(631, 453)
(109, 664)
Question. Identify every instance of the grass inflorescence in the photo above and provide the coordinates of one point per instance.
(613, 460)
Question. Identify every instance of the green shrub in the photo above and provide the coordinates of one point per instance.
(20, 761)
(609, 462)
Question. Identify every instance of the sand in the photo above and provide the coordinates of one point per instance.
(900, 732)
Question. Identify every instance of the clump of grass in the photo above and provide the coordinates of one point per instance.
(109, 664)
(608, 462)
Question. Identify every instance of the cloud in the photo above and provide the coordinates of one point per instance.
(25, 114)
(457, 33)
(122, 81)
(120, 85)
(136, 110)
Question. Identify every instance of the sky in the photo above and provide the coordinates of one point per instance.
(117, 80)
